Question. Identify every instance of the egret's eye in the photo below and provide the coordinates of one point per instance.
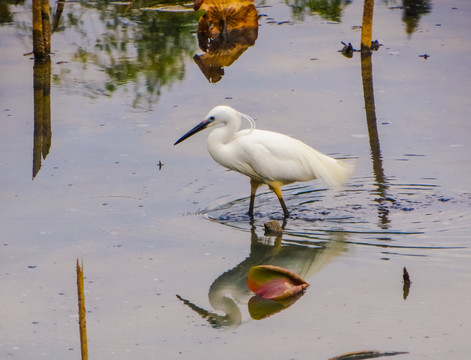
(212, 118)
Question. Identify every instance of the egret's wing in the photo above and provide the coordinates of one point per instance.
(277, 157)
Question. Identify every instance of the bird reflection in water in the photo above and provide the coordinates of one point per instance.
(229, 294)
(225, 31)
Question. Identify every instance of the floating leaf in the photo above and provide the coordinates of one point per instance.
(274, 282)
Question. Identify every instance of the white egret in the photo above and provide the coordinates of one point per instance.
(266, 157)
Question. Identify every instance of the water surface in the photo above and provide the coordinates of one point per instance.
(85, 182)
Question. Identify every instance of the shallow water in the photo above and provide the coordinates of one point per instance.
(166, 249)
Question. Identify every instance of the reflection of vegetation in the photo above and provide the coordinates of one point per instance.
(160, 43)
(42, 111)
(57, 14)
(376, 157)
(146, 48)
(413, 10)
(332, 10)
(225, 31)
(5, 14)
(327, 9)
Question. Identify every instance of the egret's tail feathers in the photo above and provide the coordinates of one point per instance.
(342, 173)
(333, 172)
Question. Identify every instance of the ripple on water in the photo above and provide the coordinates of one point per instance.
(395, 215)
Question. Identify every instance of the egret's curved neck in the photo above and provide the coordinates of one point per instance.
(224, 134)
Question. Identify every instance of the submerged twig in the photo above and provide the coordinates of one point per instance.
(361, 355)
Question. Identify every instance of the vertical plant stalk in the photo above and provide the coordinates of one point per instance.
(82, 312)
(38, 41)
(57, 15)
(41, 29)
(367, 25)
(46, 26)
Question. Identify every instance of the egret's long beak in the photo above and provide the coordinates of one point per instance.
(201, 126)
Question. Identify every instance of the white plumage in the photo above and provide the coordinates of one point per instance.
(266, 157)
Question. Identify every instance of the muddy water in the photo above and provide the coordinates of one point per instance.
(166, 248)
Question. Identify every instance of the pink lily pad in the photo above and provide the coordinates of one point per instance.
(274, 282)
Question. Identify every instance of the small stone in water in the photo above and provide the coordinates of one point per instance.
(273, 228)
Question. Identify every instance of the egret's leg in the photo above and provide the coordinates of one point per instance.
(276, 188)
(254, 185)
